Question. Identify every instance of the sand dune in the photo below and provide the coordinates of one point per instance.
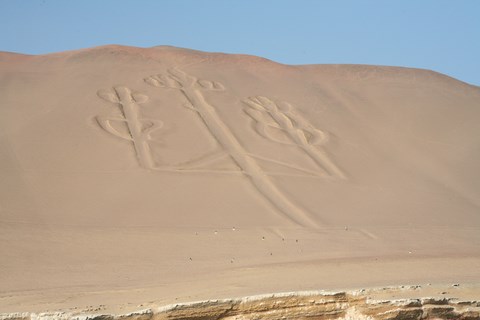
(169, 175)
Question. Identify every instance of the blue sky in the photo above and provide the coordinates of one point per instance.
(434, 34)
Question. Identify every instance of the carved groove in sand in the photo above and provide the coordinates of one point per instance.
(270, 116)
(192, 88)
(138, 129)
(275, 121)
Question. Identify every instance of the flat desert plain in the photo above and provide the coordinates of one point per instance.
(134, 178)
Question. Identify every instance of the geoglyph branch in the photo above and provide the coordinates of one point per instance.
(138, 129)
(270, 117)
(192, 89)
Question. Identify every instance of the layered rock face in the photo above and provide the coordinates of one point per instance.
(326, 306)
(353, 305)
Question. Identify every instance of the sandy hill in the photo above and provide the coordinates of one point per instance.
(157, 175)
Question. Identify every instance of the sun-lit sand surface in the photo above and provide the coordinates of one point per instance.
(133, 178)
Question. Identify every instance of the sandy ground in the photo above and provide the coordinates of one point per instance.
(152, 176)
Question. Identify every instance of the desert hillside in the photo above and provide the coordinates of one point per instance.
(166, 175)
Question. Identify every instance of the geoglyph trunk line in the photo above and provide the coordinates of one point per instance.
(248, 165)
(190, 87)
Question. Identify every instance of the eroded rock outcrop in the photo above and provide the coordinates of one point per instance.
(353, 305)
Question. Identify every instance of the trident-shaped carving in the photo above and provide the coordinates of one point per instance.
(273, 120)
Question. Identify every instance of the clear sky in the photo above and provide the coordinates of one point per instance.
(434, 34)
